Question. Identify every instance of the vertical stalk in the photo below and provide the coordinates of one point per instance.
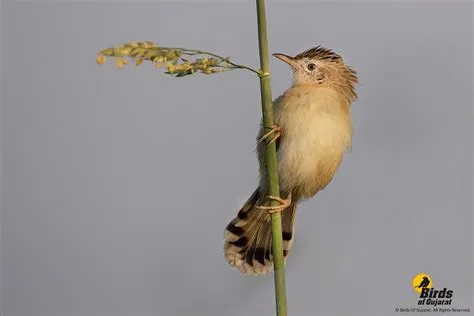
(271, 161)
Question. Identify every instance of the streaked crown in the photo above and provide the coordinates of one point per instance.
(321, 66)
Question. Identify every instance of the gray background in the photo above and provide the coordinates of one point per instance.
(117, 185)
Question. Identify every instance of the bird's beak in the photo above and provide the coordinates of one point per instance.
(287, 59)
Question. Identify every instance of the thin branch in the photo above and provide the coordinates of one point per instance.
(271, 162)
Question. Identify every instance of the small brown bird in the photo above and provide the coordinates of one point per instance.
(312, 131)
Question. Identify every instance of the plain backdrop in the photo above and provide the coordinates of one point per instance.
(117, 184)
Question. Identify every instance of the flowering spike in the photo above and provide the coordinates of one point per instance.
(179, 62)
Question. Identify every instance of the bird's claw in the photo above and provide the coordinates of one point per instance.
(284, 203)
(275, 130)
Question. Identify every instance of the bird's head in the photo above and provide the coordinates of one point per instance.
(321, 66)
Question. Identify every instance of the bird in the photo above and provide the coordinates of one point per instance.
(424, 283)
(312, 132)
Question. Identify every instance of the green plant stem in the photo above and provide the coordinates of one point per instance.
(271, 162)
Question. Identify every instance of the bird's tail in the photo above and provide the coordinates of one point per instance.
(248, 237)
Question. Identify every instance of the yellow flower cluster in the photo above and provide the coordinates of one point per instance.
(176, 64)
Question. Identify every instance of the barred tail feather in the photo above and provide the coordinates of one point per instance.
(248, 237)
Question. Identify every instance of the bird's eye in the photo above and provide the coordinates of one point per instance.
(311, 67)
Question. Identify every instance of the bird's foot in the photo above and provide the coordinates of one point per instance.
(275, 132)
(284, 203)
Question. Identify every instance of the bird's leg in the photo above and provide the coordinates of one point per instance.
(275, 130)
(284, 203)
